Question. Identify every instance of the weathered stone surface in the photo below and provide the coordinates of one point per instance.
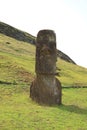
(46, 89)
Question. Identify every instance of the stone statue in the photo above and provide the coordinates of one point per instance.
(46, 88)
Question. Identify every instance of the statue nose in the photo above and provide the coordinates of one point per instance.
(45, 50)
(44, 47)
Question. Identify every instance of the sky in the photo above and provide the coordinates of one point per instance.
(68, 18)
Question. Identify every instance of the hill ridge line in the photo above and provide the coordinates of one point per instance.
(26, 37)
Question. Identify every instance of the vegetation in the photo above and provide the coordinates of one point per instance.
(72, 75)
(16, 55)
(18, 111)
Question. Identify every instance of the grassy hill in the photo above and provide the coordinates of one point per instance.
(26, 37)
(18, 111)
(19, 56)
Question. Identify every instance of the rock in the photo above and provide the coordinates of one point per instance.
(46, 88)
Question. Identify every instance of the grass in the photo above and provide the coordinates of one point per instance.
(16, 54)
(18, 111)
(72, 75)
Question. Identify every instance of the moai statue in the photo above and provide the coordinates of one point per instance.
(46, 88)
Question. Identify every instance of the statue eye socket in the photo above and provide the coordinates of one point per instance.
(52, 45)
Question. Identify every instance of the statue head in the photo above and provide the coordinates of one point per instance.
(46, 52)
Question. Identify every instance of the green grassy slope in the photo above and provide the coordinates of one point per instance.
(26, 37)
(16, 60)
(20, 56)
(72, 75)
(18, 111)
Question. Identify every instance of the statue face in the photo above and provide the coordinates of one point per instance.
(46, 52)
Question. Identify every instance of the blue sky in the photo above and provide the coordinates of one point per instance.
(68, 18)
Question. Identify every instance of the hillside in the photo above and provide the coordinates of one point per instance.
(23, 36)
(17, 56)
(18, 111)
(15, 33)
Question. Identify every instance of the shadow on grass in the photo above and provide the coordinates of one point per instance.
(8, 83)
(73, 109)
